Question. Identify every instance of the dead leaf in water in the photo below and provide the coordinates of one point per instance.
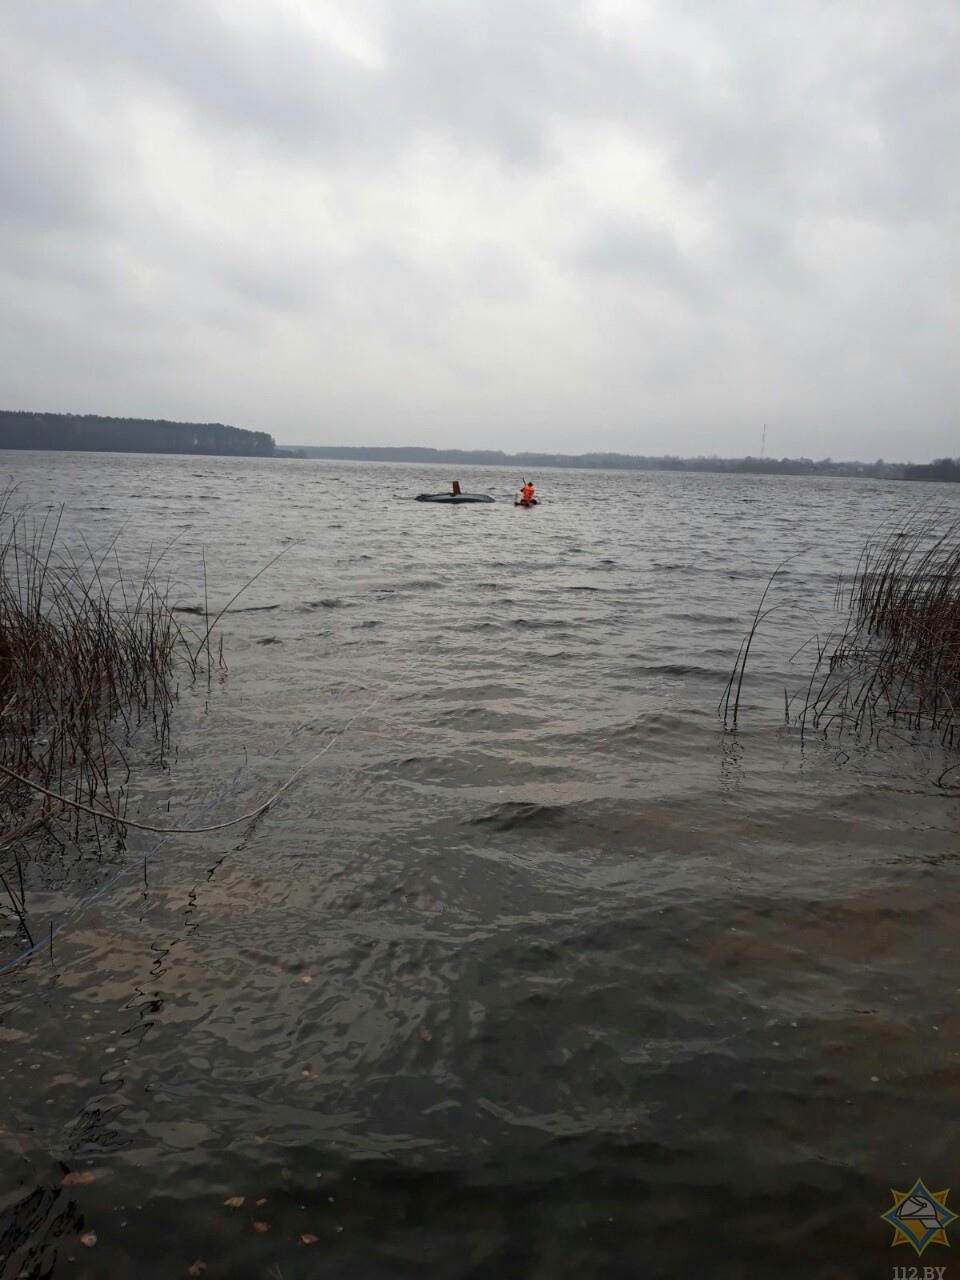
(88, 1239)
(306, 978)
(426, 1033)
(234, 1202)
(262, 1201)
(197, 1268)
(261, 1227)
(78, 1179)
(307, 1238)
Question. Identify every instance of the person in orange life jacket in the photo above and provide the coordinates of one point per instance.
(527, 492)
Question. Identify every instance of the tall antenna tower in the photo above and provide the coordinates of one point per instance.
(763, 440)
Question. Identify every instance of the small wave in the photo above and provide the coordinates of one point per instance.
(712, 618)
(525, 816)
(675, 669)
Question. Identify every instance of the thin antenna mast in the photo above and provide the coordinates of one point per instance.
(763, 440)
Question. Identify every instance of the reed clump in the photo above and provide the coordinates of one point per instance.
(86, 659)
(898, 658)
(895, 657)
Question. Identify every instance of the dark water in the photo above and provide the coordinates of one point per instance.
(532, 971)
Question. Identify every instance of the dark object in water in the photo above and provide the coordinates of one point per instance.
(534, 502)
(454, 497)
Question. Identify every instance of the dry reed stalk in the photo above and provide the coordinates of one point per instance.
(740, 666)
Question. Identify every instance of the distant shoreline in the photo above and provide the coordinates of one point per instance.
(94, 433)
(603, 461)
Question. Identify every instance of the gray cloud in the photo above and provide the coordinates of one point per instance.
(505, 222)
(634, 253)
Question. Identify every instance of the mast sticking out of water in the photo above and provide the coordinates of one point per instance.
(763, 440)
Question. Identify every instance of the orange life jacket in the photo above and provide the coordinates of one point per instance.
(526, 493)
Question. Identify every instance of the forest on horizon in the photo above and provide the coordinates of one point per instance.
(91, 433)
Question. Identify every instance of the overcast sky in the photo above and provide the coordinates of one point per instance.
(647, 226)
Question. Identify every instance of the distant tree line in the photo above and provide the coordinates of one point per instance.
(93, 433)
(941, 469)
(609, 461)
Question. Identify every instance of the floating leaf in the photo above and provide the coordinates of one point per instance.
(79, 1179)
(307, 1238)
(197, 1268)
(426, 1033)
(262, 1201)
(306, 978)
(89, 1239)
(234, 1202)
(261, 1227)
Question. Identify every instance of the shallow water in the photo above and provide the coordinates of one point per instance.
(532, 971)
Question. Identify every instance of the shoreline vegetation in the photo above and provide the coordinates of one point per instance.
(88, 657)
(97, 434)
(894, 661)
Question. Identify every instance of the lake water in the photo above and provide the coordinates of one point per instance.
(533, 970)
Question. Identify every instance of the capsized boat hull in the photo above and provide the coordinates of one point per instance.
(534, 502)
(454, 497)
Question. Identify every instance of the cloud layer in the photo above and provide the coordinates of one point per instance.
(617, 224)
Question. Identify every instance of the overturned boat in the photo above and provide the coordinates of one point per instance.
(454, 497)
